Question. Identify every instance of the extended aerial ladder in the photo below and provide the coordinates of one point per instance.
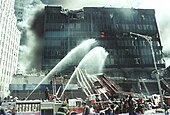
(110, 86)
(95, 84)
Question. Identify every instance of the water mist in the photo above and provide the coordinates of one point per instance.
(78, 51)
(93, 63)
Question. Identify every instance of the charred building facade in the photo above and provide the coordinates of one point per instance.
(130, 57)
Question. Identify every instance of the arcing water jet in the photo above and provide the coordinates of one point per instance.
(92, 62)
(79, 51)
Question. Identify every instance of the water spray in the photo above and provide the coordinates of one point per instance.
(81, 49)
(90, 62)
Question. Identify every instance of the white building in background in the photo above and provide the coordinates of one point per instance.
(9, 45)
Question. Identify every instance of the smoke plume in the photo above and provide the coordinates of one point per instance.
(32, 25)
(31, 40)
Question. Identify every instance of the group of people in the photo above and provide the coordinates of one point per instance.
(126, 105)
(9, 111)
(2, 111)
(64, 110)
(90, 109)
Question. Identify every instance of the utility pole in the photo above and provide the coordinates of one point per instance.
(149, 40)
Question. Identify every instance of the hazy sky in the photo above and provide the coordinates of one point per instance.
(161, 7)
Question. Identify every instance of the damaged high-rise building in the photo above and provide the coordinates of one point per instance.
(130, 61)
(130, 56)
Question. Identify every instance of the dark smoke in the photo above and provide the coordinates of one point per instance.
(37, 24)
(33, 50)
(37, 27)
(31, 39)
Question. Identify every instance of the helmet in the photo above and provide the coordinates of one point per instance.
(84, 102)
